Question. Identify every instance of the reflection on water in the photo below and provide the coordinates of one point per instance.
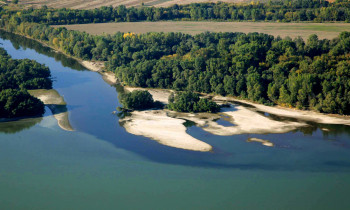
(23, 42)
(11, 127)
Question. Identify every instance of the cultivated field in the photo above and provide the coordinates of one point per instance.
(323, 30)
(90, 4)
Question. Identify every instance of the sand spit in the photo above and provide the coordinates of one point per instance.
(55, 102)
(244, 121)
(155, 124)
(302, 115)
(262, 141)
(161, 95)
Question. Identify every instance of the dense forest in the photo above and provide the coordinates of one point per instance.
(285, 10)
(16, 76)
(312, 74)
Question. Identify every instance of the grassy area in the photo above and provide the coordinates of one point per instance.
(323, 30)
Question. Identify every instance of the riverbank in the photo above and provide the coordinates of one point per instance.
(242, 117)
(301, 115)
(96, 66)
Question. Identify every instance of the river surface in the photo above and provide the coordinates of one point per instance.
(101, 166)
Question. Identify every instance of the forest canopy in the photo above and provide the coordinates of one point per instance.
(307, 74)
(16, 76)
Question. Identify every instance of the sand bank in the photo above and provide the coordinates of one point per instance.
(243, 120)
(155, 124)
(98, 66)
(93, 65)
(161, 95)
(55, 102)
(302, 115)
(262, 141)
(109, 77)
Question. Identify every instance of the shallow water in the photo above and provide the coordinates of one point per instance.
(101, 166)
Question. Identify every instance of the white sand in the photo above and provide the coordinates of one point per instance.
(262, 141)
(98, 66)
(93, 65)
(109, 77)
(161, 95)
(155, 124)
(56, 104)
(244, 120)
(296, 114)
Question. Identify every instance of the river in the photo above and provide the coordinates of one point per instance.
(101, 166)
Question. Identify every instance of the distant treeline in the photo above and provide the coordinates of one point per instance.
(16, 76)
(285, 10)
(309, 75)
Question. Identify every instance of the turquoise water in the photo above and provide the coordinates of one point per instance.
(101, 166)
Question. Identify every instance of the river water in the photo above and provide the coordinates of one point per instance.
(101, 166)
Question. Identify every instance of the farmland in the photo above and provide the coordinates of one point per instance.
(90, 4)
(323, 30)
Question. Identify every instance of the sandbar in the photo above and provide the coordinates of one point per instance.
(303, 115)
(55, 102)
(155, 124)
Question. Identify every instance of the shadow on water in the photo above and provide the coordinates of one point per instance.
(152, 150)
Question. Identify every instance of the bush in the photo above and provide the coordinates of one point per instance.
(137, 100)
(190, 102)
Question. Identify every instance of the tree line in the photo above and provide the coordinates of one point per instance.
(16, 76)
(283, 10)
(312, 74)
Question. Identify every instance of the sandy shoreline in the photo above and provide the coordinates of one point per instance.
(55, 102)
(98, 66)
(164, 125)
(302, 115)
(155, 124)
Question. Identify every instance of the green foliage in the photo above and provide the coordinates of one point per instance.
(15, 77)
(190, 102)
(137, 100)
(19, 103)
(259, 67)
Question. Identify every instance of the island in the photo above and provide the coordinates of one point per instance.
(17, 76)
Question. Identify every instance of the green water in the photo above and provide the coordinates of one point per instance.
(101, 166)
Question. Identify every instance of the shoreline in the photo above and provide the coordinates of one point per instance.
(109, 77)
(304, 115)
(96, 66)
